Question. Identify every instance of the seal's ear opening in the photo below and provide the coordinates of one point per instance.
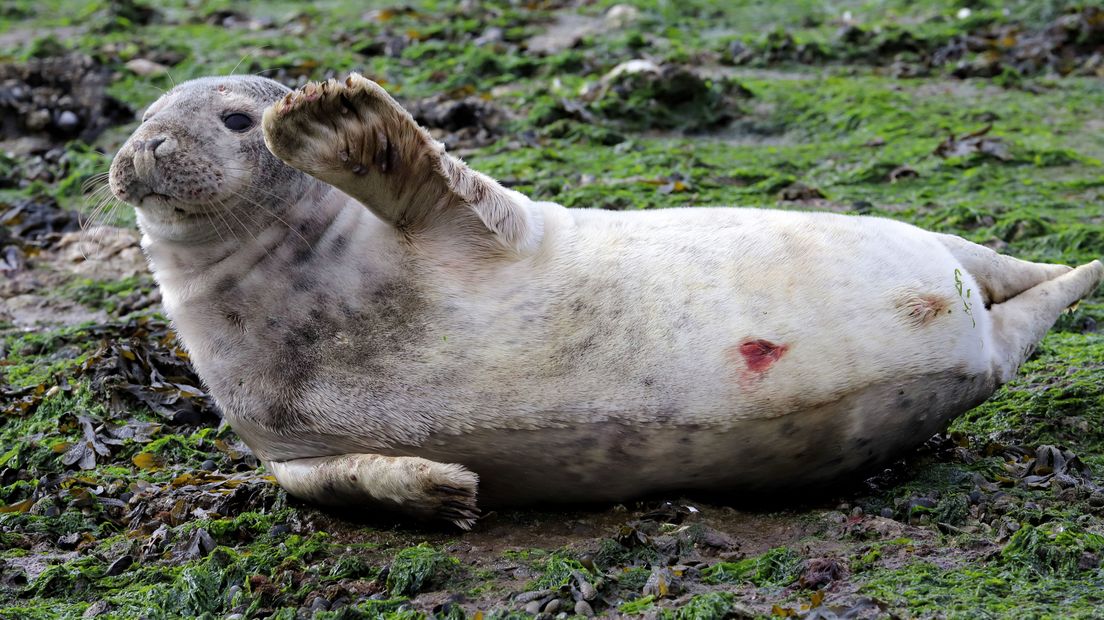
(354, 136)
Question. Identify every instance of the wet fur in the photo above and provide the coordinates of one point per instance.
(559, 354)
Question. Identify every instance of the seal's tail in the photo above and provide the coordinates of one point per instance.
(1021, 321)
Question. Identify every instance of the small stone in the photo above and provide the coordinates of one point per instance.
(208, 465)
(234, 617)
(583, 608)
(620, 15)
(95, 609)
(231, 593)
(69, 541)
(857, 511)
(887, 512)
(553, 606)
(279, 529)
(146, 68)
(320, 603)
(120, 566)
(589, 591)
(68, 121)
(37, 120)
(533, 608)
(526, 597)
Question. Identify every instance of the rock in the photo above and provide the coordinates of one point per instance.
(120, 566)
(68, 541)
(583, 608)
(819, 572)
(146, 68)
(68, 122)
(96, 609)
(526, 597)
(621, 15)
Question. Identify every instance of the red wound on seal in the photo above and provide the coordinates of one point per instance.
(760, 354)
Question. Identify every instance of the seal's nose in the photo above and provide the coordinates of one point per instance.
(150, 146)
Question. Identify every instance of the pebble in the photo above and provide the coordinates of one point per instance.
(231, 593)
(553, 606)
(319, 604)
(887, 512)
(146, 68)
(95, 609)
(37, 120)
(68, 121)
(526, 597)
(583, 608)
(533, 608)
(120, 566)
(588, 590)
(208, 465)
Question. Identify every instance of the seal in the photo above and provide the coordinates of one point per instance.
(386, 327)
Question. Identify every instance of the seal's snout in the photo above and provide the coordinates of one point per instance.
(147, 153)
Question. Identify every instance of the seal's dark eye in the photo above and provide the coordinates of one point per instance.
(237, 122)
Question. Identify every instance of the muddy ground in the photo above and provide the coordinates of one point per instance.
(122, 495)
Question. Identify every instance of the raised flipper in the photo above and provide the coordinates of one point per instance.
(354, 136)
(1021, 321)
(415, 486)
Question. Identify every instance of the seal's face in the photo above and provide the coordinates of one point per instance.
(198, 160)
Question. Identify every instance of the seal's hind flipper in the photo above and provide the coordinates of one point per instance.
(354, 136)
(1001, 277)
(1020, 322)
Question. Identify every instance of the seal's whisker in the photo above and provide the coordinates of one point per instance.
(273, 214)
(93, 225)
(95, 181)
(210, 213)
(247, 229)
(247, 55)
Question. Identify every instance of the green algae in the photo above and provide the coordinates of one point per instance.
(556, 571)
(708, 606)
(1043, 203)
(1054, 548)
(985, 591)
(637, 606)
(775, 568)
(415, 568)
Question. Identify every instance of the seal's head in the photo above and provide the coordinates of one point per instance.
(198, 160)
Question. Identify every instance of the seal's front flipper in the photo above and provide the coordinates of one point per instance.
(415, 486)
(354, 136)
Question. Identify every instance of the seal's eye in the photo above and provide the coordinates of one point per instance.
(237, 122)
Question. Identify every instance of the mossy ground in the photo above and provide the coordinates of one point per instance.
(814, 117)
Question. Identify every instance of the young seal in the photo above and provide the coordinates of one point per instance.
(382, 325)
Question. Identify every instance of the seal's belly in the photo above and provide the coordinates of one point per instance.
(612, 461)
